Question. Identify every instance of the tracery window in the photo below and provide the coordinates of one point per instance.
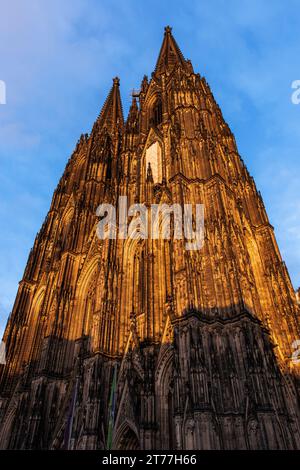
(153, 156)
(157, 112)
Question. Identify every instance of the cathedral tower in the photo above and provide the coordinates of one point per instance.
(139, 343)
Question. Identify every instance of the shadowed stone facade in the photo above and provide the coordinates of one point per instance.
(200, 342)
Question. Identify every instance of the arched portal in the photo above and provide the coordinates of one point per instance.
(126, 438)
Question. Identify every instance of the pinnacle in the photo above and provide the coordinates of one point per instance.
(116, 81)
(111, 114)
(149, 173)
(133, 110)
(170, 53)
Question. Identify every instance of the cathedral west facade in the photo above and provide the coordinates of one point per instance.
(138, 343)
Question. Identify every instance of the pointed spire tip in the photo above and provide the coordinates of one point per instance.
(111, 112)
(170, 54)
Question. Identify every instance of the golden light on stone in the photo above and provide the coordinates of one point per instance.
(201, 341)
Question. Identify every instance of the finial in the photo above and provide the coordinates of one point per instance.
(149, 173)
(116, 81)
(168, 29)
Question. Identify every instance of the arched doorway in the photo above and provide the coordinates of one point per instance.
(126, 439)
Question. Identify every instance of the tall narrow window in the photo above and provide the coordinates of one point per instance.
(157, 113)
(153, 156)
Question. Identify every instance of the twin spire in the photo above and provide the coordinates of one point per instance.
(169, 54)
(111, 115)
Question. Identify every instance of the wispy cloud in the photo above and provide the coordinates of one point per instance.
(58, 58)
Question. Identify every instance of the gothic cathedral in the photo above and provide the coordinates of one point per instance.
(138, 343)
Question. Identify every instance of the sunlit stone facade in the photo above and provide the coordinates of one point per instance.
(201, 341)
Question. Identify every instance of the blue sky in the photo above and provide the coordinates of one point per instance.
(58, 58)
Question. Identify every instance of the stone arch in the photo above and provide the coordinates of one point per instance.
(66, 227)
(154, 108)
(153, 161)
(86, 297)
(38, 299)
(153, 153)
(165, 398)
(33, 323)
(164, 365)
(78, 164)
(126, 437)
(67, 214)
(156, 111)
(8, 423)
(133, 295)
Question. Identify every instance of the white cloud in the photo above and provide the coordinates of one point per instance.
(58, 60)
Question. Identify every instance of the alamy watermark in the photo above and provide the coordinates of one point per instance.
(2, 92)
(157, 221)
(295, 98)
(2, 353)
(296, 353)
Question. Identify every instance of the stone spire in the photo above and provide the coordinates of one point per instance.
(111, 115)
(133, 112)
(201, 339)
(170, 54)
